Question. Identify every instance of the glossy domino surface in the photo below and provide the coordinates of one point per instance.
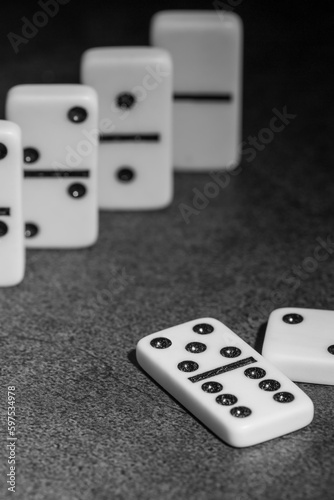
(134, 86)
(226, 384)
(301, 343)
(12, 250)
(59, 138)
(206, 50)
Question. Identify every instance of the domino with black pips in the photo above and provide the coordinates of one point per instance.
(226, 384)
(300, 342)
(134, 85)
(59, 140)
(12, 249)
(206, 51)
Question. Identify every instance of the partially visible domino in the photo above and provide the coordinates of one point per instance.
(134, 85)
(12, 249)
(225, 383)
(207, 57)
(301, 343)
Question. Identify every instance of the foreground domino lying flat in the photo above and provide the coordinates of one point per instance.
(225, 383)
(12, 251)
(206, 50)
(301, 343)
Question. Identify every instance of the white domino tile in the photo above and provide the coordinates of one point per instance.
(242, 397)
(207, 56)
(12, 249)
(134, 85)
(59, 136)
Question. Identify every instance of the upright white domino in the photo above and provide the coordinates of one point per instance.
(59, 134)
(300, 342)
(134, 86)
(206, 51)
(12, 250)
(225, 383)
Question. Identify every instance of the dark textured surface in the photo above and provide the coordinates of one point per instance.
(90, 423)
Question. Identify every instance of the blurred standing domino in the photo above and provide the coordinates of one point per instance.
(60, 163)
(12, 251)
(207, 56)
(134, 86)
(226, 384)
